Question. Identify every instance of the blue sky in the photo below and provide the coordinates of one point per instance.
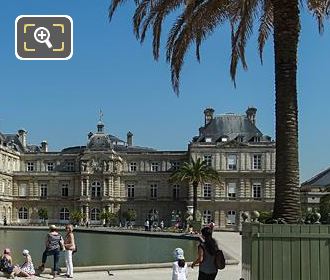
(58, 101)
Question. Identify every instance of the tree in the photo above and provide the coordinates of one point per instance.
(109, 217)
(43, 214)
(195, 173)
(76, 217)
(129, 215)
(198, 19)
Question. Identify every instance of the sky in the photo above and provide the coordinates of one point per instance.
(59, 101)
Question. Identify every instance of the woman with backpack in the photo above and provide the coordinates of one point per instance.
(207, 251)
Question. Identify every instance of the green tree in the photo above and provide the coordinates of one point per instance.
(43, 214)
(130, 215)
(198, 19)
(195, 173)
(325, 208)
(109, 217)
(76, 217)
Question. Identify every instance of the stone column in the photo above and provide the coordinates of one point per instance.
(217, 161)
(36, 189)
(241, 159)
(223, 161)
(30, 189)
(87, 186)
(242, 188)
(222, 221)
(217, 218)
(87, 213)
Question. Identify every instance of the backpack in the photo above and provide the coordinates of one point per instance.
(4, 264)
(219, 260)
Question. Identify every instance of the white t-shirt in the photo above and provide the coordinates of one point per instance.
(179, 273)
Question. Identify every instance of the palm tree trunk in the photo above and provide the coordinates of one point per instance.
(286, 36)
(195, 185)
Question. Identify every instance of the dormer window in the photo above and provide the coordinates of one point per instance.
(256, 139)
(208, 139)
(240, 139)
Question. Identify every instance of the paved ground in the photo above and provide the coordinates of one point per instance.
(229, 241)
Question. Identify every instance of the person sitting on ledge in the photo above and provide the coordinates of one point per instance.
(7, 267)
(27, 267)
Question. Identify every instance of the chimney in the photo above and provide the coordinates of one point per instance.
(44, 146)
(129, 139)
(251, 114)
(208, 113)
(22, 137)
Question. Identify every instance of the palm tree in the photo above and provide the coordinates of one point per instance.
(196, 22)
(195, 173)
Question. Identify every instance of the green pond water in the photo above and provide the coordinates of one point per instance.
(99, 248)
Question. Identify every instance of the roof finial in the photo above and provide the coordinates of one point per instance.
(101, 116)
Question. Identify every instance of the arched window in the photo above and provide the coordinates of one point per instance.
(96, 189)
(207, 216)
(23, 213)
(95, 214)
(64, 214)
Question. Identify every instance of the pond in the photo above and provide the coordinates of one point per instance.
(99, 248)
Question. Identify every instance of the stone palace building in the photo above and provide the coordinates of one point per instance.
(110, 174)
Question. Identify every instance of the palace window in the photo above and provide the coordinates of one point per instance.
(130, 190)
(256, 163)
(176, 192)
(65, 189)
(208, 139)
(207, 216)
(208, 159)
(96, 189)
(207, 191)
(23, 213)
(132, 167)
(232, 162)
(154, 166)
(153, 190)
(70, 166)
(30, 166)
(95, 214)
(175, 165)
(50, 166)
(256, 188)
(64, 214)
(231, 217)
(43, 190)
(232, 190)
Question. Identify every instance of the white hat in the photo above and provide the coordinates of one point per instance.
(25, 252)
(52, 227)
(178, 254)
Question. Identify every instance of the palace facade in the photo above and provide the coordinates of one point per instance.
(110, 174)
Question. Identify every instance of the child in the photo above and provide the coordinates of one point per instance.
(27, 267)
(180, 271)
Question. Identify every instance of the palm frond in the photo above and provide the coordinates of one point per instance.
(265, 27)
(244, 13)
(198, 26)
(320, 9)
